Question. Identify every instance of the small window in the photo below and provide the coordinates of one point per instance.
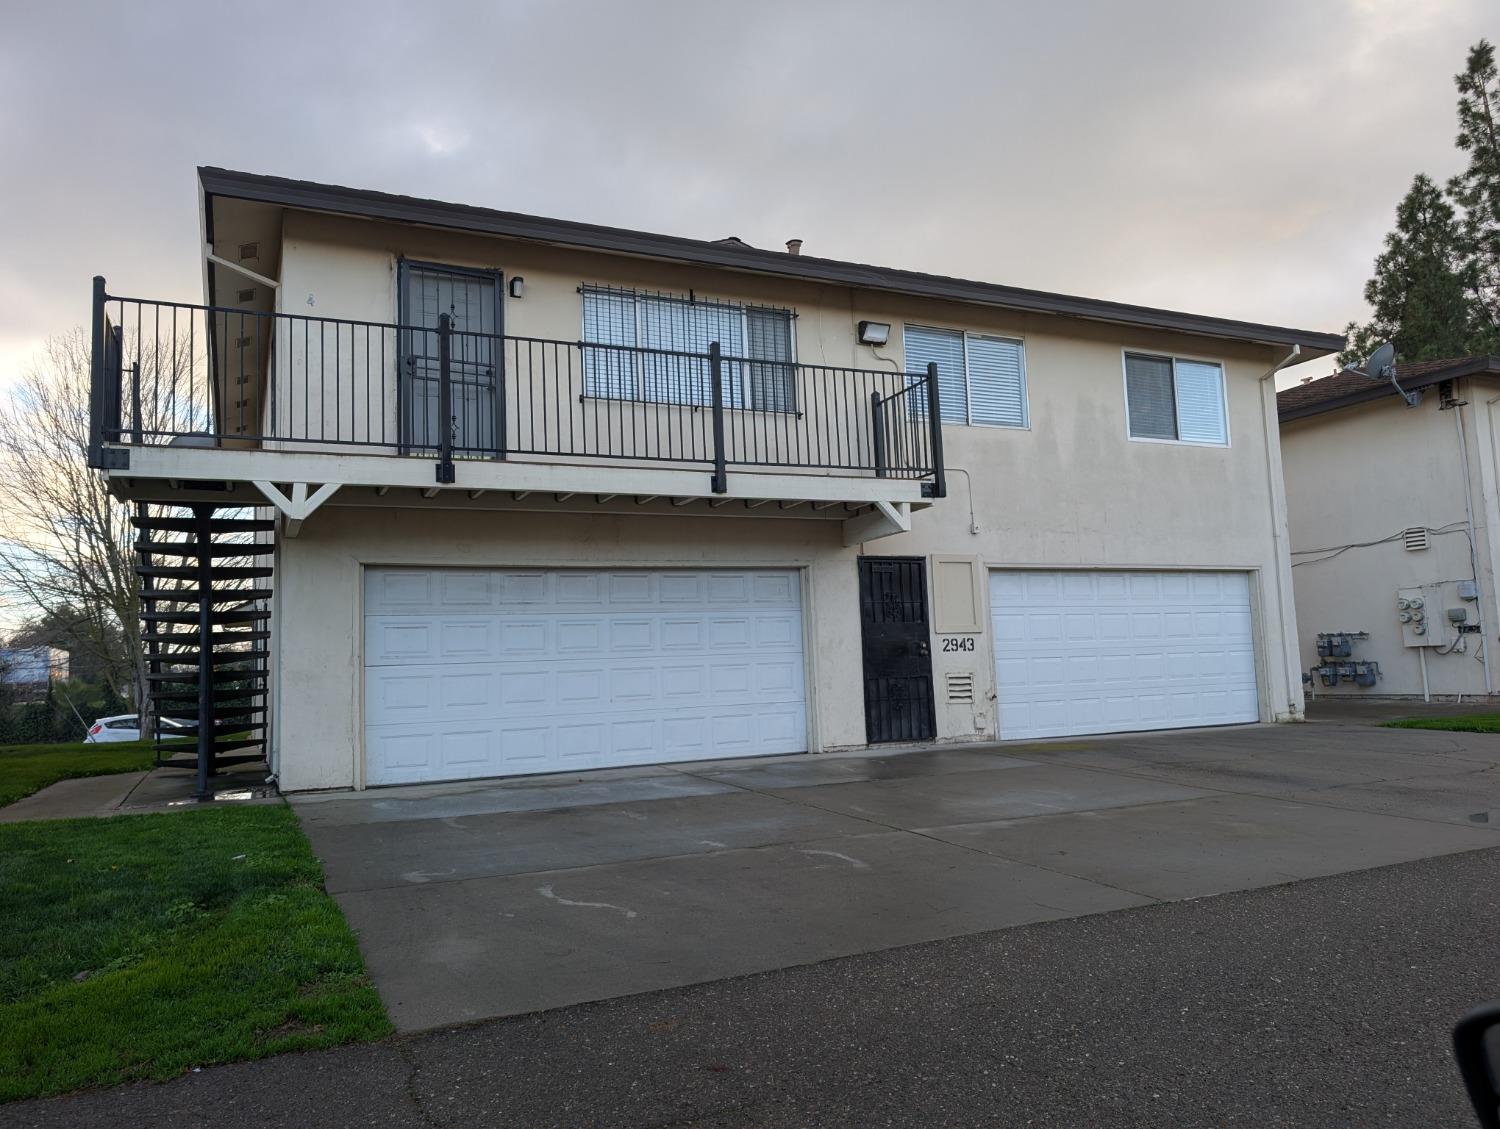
(643, 342)
(1173, 399)
(981, 379)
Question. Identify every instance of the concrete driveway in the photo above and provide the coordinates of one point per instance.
(481, 900)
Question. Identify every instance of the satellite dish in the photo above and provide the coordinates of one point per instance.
(1381, 365)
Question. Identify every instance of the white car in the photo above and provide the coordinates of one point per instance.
(126, 727)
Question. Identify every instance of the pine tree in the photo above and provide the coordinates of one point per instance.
(1477, 189)
(1422, 292)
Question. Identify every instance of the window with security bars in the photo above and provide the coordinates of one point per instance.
(981, 379)
(1176, 400)
(639, 346)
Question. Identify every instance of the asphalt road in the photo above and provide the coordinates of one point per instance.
(1322, 1003)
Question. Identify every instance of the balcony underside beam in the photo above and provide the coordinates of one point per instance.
(169, 473)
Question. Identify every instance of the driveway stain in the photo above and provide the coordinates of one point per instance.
(546, 892)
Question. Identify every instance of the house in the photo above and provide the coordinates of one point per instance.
(551, 496)
(30, 670)
(1392, 515)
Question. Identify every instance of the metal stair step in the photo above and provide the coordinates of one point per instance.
(220, 572)
(221, 760)
(215, 595)
(215, 638)
(217, 524)
(222, 615)
(199, 549)
(184, 706)
(190, 677)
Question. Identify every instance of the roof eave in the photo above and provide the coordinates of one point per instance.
(1379, 390)
(333, 199)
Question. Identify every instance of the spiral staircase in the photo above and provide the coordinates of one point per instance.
(205, 624)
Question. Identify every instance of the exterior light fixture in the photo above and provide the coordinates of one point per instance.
(874, 332)
(517, 287)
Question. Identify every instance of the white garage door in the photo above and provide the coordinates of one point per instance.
(1106, 652)
(505, 671)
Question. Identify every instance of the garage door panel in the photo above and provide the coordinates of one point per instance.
(1094, 652)
(512, 588)
(661, 671)
(391, 591)
(630, 685)
(464, 590)
(682, 634)
(520, 748)
(578, 636)
(402, 755)
(399, 641)
(463, 690)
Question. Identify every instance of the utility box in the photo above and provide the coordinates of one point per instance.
(1424, 621)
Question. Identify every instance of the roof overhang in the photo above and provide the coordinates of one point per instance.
(335, 200)
(1375, 390)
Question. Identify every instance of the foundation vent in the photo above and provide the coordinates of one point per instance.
(960, 686)
(1414, 539)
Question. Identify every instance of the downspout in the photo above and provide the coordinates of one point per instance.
(1276, 485)
(1463, 454)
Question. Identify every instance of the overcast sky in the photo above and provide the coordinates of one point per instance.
(1240, 159)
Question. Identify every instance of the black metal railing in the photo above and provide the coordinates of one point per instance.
(174, 372)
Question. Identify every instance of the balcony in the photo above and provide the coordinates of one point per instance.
(192, 402)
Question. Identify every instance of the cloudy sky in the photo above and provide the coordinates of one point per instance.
(1241, 159)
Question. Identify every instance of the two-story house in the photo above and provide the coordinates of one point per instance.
(552, 496)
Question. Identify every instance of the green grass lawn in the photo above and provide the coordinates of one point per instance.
(139, 946)
(25, 769)
(1473, 723)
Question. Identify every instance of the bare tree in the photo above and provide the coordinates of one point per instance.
(67, 542)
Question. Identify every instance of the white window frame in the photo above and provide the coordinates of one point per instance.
(1158, 354)
(743, 307)
(968, 420)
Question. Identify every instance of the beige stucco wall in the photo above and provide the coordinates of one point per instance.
(1361, 474)
(1072, 490)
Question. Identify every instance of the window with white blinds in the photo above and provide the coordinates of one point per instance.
(981, 379)
(759, 370)
(1173, 399)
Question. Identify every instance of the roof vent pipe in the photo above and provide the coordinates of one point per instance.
(794, 246)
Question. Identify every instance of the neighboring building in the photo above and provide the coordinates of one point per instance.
(30, 670)
(624, 551)
(1390, 504)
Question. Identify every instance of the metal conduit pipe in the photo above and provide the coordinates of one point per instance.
(1463, 454)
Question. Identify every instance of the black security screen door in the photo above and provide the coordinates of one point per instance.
(471, 299)
(897, 649)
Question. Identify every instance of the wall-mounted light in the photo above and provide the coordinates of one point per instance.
(874, 332)
(517, 287)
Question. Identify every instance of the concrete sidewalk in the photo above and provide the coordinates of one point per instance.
(493, 899)
(138, 793)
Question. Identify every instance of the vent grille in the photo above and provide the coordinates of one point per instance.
(247, 295)
(1414, 539)
(249, 250)
(960, 686)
